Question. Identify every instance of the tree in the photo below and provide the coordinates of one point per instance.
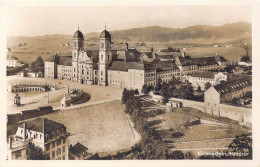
(207, 85)
(199, 89)
(248, 95)
(136, 92)
(124, 96)
(39, 61)
(176, 155)
(185, 92)
(235, 100)
(245, 59)
(174, 81)
(145, 89)
(241, 144)
(38, 65)
(35, 152)
(159, 84)
(222, 82)
(165, 93)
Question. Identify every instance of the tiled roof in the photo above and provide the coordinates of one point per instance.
(78, 149)
(222, 59)
(65, 60)
(161, 65)
(42, 125)
(132, 55)
(11, 58)
(185, 61)
(202, 61)
(234, 85)
(148, 54)
(204, 74)
(165, 56)
(52, 58)
(124, 66)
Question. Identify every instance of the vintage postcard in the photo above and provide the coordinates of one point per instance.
(129, 82)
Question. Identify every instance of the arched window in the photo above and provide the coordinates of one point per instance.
(101, 72)
(101, 57)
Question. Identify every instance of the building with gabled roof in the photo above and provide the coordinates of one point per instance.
(128, 75)
(200, 78)
(80, 152)
(206, 63)
(186, 65)
(11, 61)
(224, 93)
(49, 135)
(234, 89)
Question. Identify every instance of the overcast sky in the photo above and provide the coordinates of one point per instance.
(46, 20)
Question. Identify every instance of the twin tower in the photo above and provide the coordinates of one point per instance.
(84, 69)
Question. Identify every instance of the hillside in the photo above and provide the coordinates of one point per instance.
(154, 36)
(162, 34)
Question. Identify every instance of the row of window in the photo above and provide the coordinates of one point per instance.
(203, 79)
(57, 152)
(55, 143)
(35, 135)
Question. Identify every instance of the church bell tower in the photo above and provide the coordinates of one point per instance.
(105, 57)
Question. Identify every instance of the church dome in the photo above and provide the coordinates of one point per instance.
(105, 34)
(78, 34)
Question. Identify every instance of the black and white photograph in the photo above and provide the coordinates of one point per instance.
(128, 82)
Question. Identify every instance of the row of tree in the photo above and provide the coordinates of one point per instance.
(151, 145)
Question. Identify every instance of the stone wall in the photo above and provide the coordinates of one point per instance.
(13, 118)
(241, 114)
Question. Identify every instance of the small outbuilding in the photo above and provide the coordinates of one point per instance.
(175, 104)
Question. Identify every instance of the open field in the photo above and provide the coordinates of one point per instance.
(45, 47)
(32, 100)
(101, 128)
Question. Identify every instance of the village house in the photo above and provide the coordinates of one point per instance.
(216, 97)
(200, 78)
(80, 152)
(51, 136)
(224, 93)
(206, 63)
(186, 65)
(126, 75)
(11, 61)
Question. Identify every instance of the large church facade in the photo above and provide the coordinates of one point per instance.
(83, 66)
